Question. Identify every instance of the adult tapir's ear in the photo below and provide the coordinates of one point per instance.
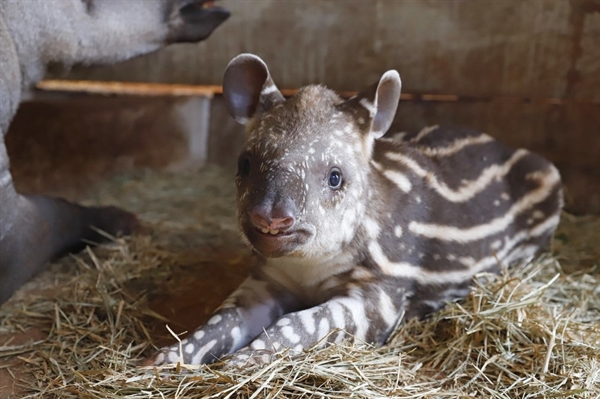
(381, 102)
(248, 88)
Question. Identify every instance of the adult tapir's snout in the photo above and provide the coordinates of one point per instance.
(195, 20)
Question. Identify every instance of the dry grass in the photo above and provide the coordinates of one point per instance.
(533, 332)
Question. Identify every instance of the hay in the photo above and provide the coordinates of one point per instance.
(533, 331)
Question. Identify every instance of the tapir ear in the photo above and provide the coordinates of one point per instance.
(248, 88)
(381, 102)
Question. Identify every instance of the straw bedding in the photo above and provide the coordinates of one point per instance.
(532, 332)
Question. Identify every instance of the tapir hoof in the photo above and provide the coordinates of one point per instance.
(111, 220)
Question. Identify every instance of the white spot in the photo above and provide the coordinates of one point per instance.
(398, 231)
(308, 321)
(198, 335)
(159, 359)
(236, 335)
(215, 319)
(189, 348)
(290, 335)
(323, 328)
(297, 349)
(283, 322)
(258, 344)
(173, 357)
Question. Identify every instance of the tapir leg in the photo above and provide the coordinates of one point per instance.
(36, 229)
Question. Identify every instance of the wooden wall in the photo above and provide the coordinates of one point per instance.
(526, 71)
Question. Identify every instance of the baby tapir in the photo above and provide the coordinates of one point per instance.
(34, 229)
(357, 232)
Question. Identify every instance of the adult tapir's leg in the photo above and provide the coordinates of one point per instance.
(35, 229)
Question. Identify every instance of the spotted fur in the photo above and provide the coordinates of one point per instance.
(415, 217)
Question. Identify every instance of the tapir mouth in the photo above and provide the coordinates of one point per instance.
(274, 232)
(275, 243)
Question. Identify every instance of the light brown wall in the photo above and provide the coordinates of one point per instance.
(540, 48)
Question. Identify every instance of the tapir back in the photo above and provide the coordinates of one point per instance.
(463, 203)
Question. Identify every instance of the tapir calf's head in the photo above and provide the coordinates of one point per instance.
(303, 175)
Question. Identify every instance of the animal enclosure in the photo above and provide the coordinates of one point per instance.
(160, 143)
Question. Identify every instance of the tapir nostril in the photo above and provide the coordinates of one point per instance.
(281, 224)
(262, 219)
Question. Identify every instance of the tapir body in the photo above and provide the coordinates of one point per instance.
(33, 34)
(355, 232)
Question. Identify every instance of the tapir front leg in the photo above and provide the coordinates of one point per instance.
(35, 229)
(367, 313)
(254, 306)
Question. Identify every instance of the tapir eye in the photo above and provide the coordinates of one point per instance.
(335, 178)
(244, 165)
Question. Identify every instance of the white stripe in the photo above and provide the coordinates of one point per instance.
(455, 147)
(407, 270)
(355, 304)
(451, 233)
(424, 132)
(395, 177)
(469, 188)
(308, 320)
(203, 351)
(387, 309)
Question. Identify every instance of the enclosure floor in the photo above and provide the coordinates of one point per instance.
(190, 216)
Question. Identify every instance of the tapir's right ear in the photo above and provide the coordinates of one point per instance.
(248, 88)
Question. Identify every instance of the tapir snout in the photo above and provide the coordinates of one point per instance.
(197, 20)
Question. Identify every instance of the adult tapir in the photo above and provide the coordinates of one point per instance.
(34, 33)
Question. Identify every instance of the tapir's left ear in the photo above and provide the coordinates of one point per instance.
(381, 102)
